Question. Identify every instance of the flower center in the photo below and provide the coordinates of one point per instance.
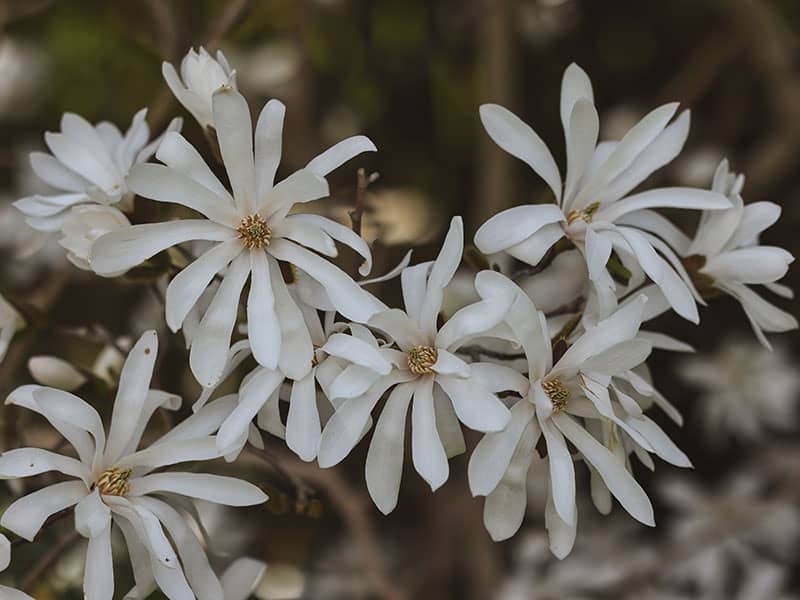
(254, 232)
(557, 392)
(421, 359)
(584, 214)
(114, 482)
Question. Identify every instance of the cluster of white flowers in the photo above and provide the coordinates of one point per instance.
(555, 380)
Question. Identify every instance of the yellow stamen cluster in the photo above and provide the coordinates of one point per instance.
(421, 359)
(557, 392)
(114, 482)
(254, 232)
(583, 214)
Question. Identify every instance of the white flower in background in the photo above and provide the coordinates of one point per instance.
(746, 389)
(201, 75)
(444, 388)
(55, 372)
(86, 223)
(88, 165)
(10, 322)
(113, 482)
(253, 231)
(725, 255)
(594, 208)
(575, 399)
(6, 592)
(241, 578)
(260, 391)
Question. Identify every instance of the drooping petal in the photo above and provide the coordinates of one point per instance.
(562, 471)
(473, 320)
(27, 462)
(26, 515)
(297, 350)
(263, 327)
(241, 578)
(253, 394)
(91, 515)
(300, 186)
(518, 139)
(560, 534)
(427, 450)
(342, 234)
(303, 427)
(514, 225)
(384, 466)
(98, 578)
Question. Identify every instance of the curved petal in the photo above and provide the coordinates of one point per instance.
(26, 462)
(303, 427)
(228, 491)
(269, 143)
(515, 225)
(120, 250)
(758, 264)
(253, 394)
(177, 153)
(357, 351)
(674, 197)
(340, 153)
(400, 327)
(442, 271)
(477, 408)
(532, 250)
(342, 234)
(26, 515)
(300, 186)
(562, 471)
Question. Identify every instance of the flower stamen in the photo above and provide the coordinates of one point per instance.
(421, 359)
(557, 392)
(582, 214)
(254, 232)
(114, 482)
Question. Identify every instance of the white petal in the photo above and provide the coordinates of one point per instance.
(26, 515)
(512, 226)
(517, 138)
(651, 221)
(253, 394)
(400, 327)
(269, 132)
(228, 491)
(55, 174)
(532, 250)
(55, 372)
(562, 471)
(357, 351)
(619, 357)
(413, 281)
(186, 287)
(581, 137)
(263, 327)
(305, 234)
(447, 424)
(342, 234)
(475, 407)
(352, 381)
(120, 250)
(575, 86)
(98, 578)
(598, 251)
(674, 197)
(473, 320)
(756, 217)
(384, 466)
(76, 154)
(760, 264)
(91, 515)
(560, 534)
(163, 184)
(349, 298)
(26, 462)
(427, 450)
(241, 578)
(297, 349)
(662, 445)
(303, 428)
(300, 186)
(170, 453)
(492, 454)
(340, 153)
(179, 154)
(210, 344)
(762, 313)
(498, 378)
(235, 135)
(134, 383)
(442, 271)
(449, 364)
(618, 480)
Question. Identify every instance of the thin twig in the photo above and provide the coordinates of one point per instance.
(362, 183)
(34, 576)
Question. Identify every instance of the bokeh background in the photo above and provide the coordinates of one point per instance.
(410, 74)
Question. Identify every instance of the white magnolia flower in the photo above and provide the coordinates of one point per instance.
(113, 482)
(593, 206)
(260, 391)
(241, 578)
(201, 75)
(86, 223)
(725, 255)
(7, 593)
(746, 389)
(576, 399)
(10, 322)
(88, 165)
(253, 231)
(444, 388)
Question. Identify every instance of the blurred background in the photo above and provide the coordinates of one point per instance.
(410, 74)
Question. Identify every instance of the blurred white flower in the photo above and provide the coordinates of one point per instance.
(114, 483)
(8, 593)
(746, 389)
(201, 75)
(253, 231)
(726, 256)
(446, 391)
(86, 223)
(267, 68)
(242, 578)
(23, 68)
(578, 399)
(593, 207)
(281, 581)
(88, 165)
(55, 372)
(10, 322)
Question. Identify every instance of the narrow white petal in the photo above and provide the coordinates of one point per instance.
(427, 450)
(91, 515)
(475, 407)
(98, 578)
(581, 137)
(450, 364)
(340, 153)
(598, 251)
(263, 327)
(26, 462)
(303, 427)
(235, 135)
(560, 534)
(297, 349)
(228, 491)
(400, 328)
(562, 471)
(512, 226)
(177, 153)
(300, 186)
(532, 250)
(342, 234)
(413, 281)
(759, 264)
(442, 271)
(26, 515)
(473, 320)
(253, 394)
(357, 351)
(269, 142)
(675, 197)
(241, 578)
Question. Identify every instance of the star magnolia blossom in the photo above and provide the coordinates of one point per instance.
(201, 75)
(445, 389)
(260, 391)
(594, 209)
(253, 231)
(575, 399)
(115, 483)
(88, 165)
(725, 255)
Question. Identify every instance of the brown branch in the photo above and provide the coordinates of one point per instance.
(352, 506)
(361, 196)
(34, 575)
